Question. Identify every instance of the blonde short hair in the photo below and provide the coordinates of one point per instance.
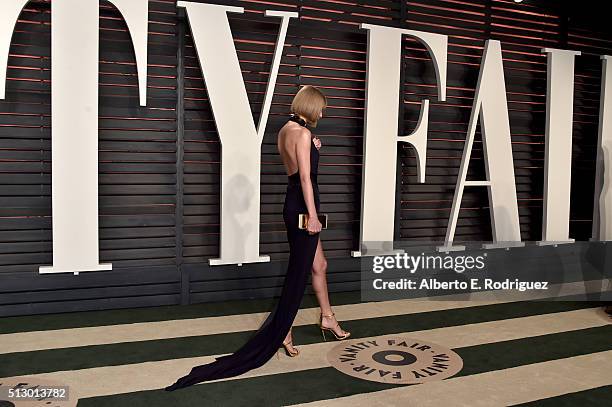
(309, 102)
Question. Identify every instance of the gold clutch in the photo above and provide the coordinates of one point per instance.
(303, 220)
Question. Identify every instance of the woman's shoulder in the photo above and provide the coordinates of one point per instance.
(306, 131)
(299, 133)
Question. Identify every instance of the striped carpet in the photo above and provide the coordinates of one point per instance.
(531, 353)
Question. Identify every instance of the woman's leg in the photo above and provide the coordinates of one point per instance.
(319, 280)
(319, 285)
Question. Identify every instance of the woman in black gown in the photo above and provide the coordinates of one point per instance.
(306, 109)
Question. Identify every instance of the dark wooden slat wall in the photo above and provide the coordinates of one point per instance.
(137, 164)
(160, 164)
(523, 31)
(592, 41)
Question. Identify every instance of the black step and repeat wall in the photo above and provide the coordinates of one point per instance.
(159, 165)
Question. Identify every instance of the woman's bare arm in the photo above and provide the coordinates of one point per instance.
(303, 146)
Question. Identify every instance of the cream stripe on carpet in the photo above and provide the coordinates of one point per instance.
(145, 331)
(504, 387)
(110, 380)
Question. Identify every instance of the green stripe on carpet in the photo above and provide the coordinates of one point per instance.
(600, 396)
(327, 383)
(81, 319)
(42, 361)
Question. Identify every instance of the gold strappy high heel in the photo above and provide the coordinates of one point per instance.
(295, 352)
(323, 329)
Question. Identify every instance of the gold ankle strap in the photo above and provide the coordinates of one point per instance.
(328, 316)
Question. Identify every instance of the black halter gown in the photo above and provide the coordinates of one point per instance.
(270, 335)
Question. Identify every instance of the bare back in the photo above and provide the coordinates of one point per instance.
(287, 141)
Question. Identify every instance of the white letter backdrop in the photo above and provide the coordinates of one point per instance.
(74, 119)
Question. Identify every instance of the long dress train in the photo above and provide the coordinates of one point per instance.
(270, 335)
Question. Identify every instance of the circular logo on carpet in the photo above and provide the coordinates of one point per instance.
(395, 360)
(35, 392)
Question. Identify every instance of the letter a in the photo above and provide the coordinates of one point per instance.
(491, 106)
